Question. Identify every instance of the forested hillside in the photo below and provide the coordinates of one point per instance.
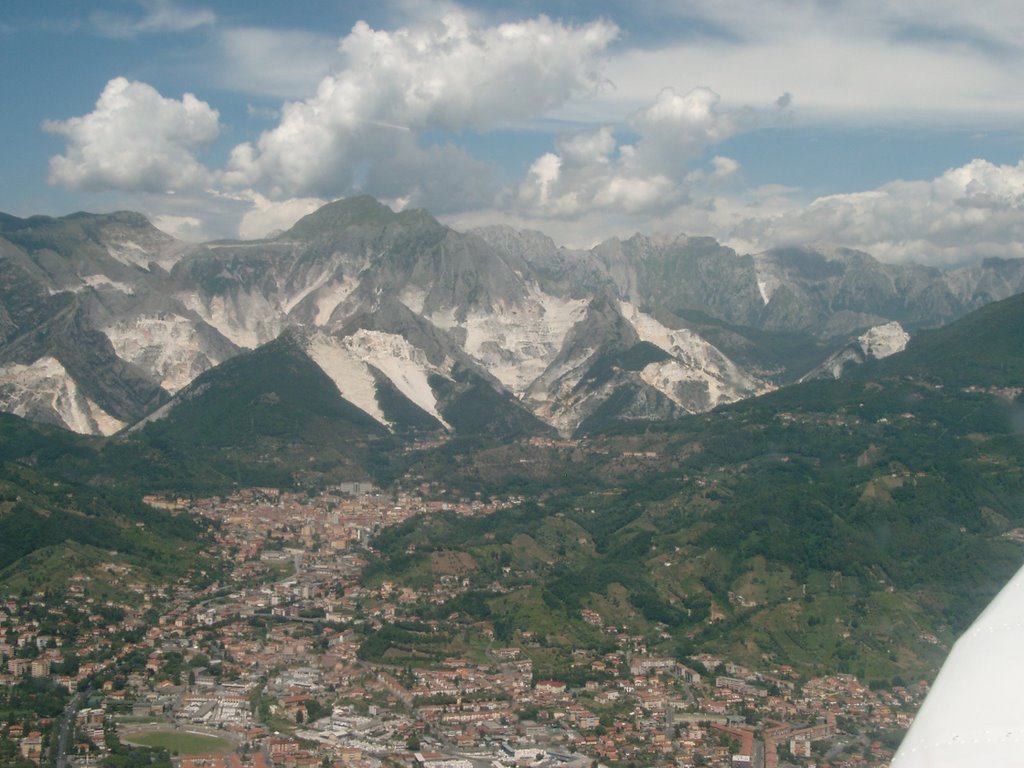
(855, 525)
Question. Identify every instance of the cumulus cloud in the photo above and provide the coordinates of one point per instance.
(388, 112)
(964, 215)
(675, 129)
(135, 139)
(444, 76)
(592, 170)
(188, 228)
(967, 213)
(159, 16)
(266, 216)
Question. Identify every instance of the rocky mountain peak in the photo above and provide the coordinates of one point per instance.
(413, 320)
(362, 211)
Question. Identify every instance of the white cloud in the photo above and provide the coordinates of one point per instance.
(386, 112)
(724, 167)
(134, 139)
(675, 129)
(188, 228)
(863, 60)
(967, 213)
(592, 171)
(269, 216)
(160, 16)
(444, 76)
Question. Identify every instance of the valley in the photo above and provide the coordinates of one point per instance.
(378, 492)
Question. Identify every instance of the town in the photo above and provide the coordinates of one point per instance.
(273, 663)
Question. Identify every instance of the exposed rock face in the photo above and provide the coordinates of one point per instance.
(874, 344)
(112, 317)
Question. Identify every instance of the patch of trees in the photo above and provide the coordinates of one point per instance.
(402, 642)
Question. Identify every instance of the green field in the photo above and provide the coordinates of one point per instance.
(182, 742)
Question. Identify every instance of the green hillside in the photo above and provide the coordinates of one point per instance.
(984, 348)
(267, 417)
(856, 525)
(53, 523)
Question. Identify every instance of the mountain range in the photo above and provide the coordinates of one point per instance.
(107, 322)
(851, 525)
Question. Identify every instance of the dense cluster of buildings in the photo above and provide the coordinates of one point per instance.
(270, 659)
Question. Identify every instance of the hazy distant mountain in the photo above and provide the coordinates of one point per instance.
(104, 318)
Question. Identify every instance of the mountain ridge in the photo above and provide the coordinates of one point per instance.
(406, 296)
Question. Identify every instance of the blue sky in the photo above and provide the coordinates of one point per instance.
(896, 127)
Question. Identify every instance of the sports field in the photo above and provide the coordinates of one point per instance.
(182, 742)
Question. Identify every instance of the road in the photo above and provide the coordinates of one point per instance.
(758, 756)
(67, 726)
